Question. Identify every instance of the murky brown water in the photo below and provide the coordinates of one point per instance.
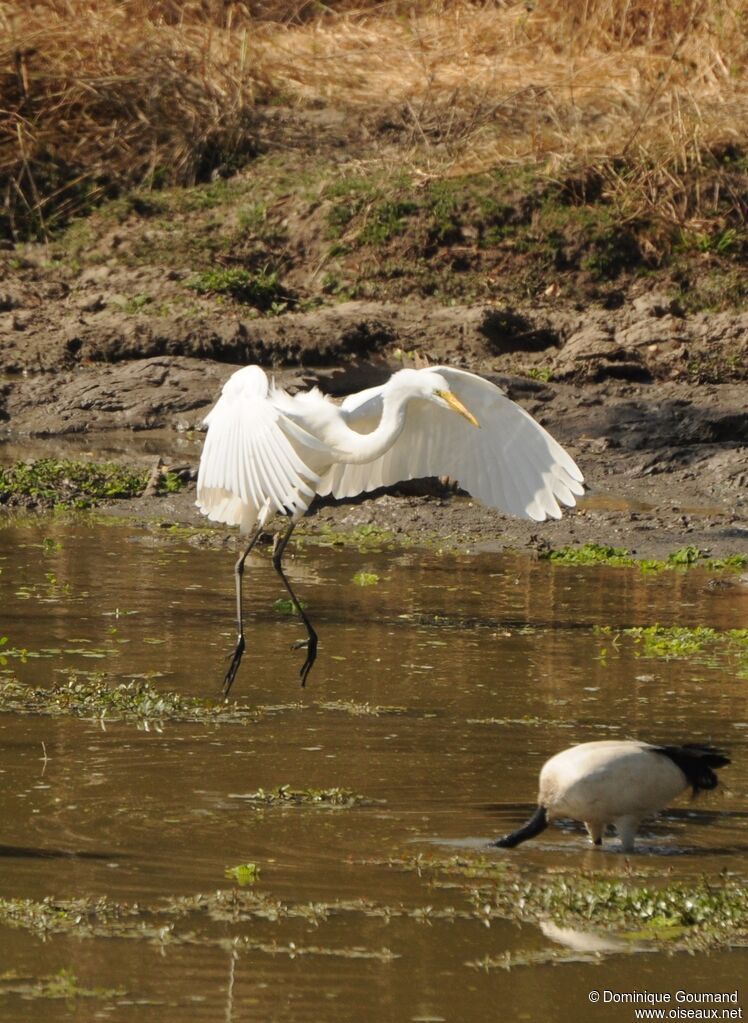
(496, 664)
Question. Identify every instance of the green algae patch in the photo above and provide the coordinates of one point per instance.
(680, 641)
(94, 696)
(687, 556)
(590, 554)
(695, 914)
(621, 557)
(65, 483)
(286, 795)
(712, 911)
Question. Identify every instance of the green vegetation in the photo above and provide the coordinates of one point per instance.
(501, 234)
(69, 484)
(711, 910)
(542, 373)
(696, 913)
(699, 643)
(478, 210)
(286, 606)
(95, 696)
(680, 641)
(285, 795)
(137, 304)
(244, 874)
(262, 289)
(366, 578)
(63, 984)
(174, 921)
(603, 554)
(366, 538)
(687, 556)
(688, 915)
(590, 554)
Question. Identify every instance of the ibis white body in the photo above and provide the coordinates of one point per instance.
(609, 782)
(618, 782)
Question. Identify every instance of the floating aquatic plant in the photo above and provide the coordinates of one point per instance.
(285, 795)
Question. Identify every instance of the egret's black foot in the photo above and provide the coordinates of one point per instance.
(236, 660)
(310, 645)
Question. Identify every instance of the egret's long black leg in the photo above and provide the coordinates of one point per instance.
(311, 642)
(236, 657)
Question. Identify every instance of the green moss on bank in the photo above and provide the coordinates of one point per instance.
(67, 483)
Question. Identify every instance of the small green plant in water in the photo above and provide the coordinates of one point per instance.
(286, 606)
(366, 578)
(244, 874)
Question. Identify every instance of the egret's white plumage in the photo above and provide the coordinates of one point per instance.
(267, 451)
(619, 782)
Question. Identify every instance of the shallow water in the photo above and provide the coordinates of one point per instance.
(480, 668)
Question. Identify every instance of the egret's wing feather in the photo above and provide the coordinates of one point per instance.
(255, 461)
(510, 463)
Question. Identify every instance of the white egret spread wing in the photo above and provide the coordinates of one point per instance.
(510, 463)
(255, 459)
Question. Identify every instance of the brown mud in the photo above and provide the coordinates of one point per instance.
(100, 334)
(666, 463)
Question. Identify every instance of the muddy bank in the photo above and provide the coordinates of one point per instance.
(108, 314)
(666, 463)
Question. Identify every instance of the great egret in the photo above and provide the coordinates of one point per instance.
(267, 451)
(617, 782)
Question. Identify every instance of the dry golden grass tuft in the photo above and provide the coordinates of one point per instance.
(95, 95)
(102, 93)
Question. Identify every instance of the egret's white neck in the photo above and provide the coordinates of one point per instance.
(356, 448)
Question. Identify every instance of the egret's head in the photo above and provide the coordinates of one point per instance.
(429, 385)
(441, 394)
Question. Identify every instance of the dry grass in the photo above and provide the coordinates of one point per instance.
(95, 95)
(98, 93)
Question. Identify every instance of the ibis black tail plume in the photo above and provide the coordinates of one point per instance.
(697, 763)
(537, 823)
